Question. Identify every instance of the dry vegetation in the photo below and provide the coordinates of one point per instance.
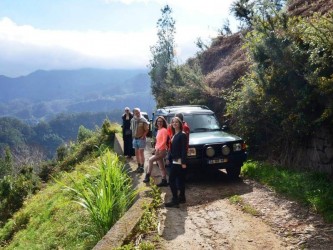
(225, 61)
(308, 7)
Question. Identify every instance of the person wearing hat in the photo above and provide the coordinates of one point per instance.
(127, 133)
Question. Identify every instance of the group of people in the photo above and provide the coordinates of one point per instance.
(170, 150)
(135, 129)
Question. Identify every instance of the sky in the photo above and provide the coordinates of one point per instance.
(107, 34)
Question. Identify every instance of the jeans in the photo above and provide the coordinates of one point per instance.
(139, 143)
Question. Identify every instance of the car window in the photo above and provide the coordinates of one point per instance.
(202, 122)
(145, 115)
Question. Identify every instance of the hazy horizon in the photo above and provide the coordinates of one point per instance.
(106, 34)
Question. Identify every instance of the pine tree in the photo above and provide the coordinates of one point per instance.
(162, 54)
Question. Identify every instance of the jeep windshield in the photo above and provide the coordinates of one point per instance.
(202, 122)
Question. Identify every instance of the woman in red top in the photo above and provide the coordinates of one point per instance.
(160, 151)
(186, 129)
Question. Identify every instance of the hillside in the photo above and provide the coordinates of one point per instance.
(43, 209)
(225, 61)
(307, 8)
(283, 107)
(42, 94)
(67, 84)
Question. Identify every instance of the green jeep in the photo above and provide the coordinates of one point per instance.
(210, 147)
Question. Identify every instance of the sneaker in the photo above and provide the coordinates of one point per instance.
(147, 178)
(171, 204)
(140, 170)
(182, 199)
(163, 183)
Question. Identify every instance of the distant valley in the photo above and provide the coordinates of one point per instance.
(43, 94)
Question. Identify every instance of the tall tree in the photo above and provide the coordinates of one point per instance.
(243, 11)
(247, 10)
(6, 163)
(162, 54)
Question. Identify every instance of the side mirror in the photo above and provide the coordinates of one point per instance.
(225, 127)
(150, 128)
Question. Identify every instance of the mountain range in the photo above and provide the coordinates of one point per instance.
(42, 94)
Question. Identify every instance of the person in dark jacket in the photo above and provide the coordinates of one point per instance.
(127, 133)
(177, 159)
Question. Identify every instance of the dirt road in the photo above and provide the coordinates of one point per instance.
(208, 220)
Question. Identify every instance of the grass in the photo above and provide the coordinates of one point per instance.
(312, 189)
(108, 196)
(149, 221)
(52, 220)
(237, 200)
(146, 235)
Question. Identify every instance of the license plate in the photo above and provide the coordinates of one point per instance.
(217, 161)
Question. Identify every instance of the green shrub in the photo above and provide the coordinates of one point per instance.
(13, 226)
(107, 196)
(109, 129)
(47, 168)
(96, 143)
(62, 152)
(84, 134)
(13, 191)
(310, 188)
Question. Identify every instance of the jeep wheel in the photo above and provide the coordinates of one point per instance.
(233, 172)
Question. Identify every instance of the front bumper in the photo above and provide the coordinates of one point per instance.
(219, 162)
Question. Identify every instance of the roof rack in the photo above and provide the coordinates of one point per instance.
(168, 109)
(184, 106)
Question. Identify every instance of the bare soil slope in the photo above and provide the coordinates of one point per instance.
(308, 7)
(225, 61)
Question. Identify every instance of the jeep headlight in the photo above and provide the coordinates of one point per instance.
(191, 152)
(225, 150)
(237, 147)
(210, 152)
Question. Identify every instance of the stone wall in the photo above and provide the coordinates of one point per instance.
(318, 154)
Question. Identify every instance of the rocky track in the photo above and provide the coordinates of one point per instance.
(210, 221)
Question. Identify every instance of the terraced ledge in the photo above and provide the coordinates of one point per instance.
(124, 227)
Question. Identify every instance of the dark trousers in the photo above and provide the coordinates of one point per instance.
(177, 181)
(128, 145)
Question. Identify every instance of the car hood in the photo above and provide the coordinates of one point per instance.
(212, 137)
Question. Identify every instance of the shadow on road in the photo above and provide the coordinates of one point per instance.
(199, 191)
(214, 186)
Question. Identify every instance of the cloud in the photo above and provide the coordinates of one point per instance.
(47, 49)
(129, 1)
(194, 18)
(211, 7)
(24, 48)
